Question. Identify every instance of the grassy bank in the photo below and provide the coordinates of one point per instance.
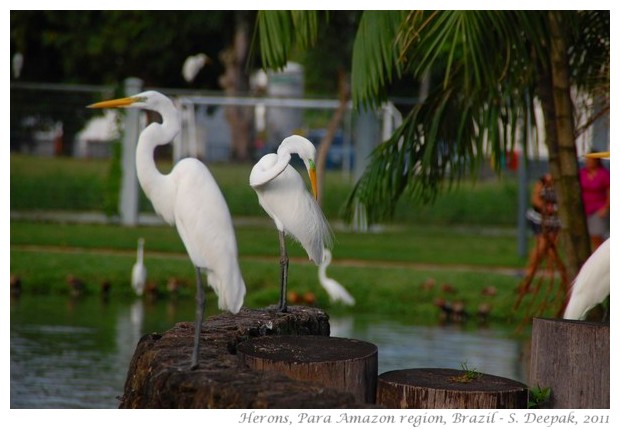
(388, 273)
(465, 240)
(83, 185)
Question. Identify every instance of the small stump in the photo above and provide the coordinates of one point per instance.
(435, 388)
(338, 363)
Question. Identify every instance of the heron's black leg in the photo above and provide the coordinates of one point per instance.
(283, 272)
(200, 310)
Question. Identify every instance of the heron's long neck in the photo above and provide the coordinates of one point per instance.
(261, 177)
(322, 271)
(154, 135)
(140, 252)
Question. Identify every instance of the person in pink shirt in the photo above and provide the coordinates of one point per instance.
(595, 180)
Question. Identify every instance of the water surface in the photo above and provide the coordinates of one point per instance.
(74, 353)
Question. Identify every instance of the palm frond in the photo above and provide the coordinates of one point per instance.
(279, 31)
(375, 54)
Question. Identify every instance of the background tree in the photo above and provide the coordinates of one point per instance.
(493, 67)
(105, 47)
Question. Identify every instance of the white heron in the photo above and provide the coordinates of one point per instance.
(283, 195)
(192, 66)
(591, 286)
(189, 198)
(335, 290)
(138, 271)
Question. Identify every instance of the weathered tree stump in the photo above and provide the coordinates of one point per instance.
(434, 388)
(339, 363)
(159, 374)
(572, 358)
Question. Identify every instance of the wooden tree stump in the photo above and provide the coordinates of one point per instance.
(159, 375)
(572, 358)
(434, 388)
(338, 363)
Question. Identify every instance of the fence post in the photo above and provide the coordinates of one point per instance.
(128, 205)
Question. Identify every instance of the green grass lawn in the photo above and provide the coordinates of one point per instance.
(460, 240)
(385, 272)
(83, 185)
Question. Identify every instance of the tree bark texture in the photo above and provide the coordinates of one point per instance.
(437, 388)
(560, 130)
(572, 358)
(338, 363)
(159, 374)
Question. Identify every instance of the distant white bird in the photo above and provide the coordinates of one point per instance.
(591, 286)
(138, 272)
(189, 198)
(17, 63)
(283, 195)
(335, 290)
(192, 66)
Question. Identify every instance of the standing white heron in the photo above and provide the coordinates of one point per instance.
(189, 198)
(335, 290)
(591, 286)
(138, 272)
(283, 195)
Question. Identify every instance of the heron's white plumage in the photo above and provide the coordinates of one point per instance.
(189, 198)
(335, 290)
(591, 286)
(138, 271)
(283, 195)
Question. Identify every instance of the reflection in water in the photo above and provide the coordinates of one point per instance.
(401, 346)
(75, 353)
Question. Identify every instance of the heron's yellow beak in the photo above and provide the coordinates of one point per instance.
(598, 155)
(119, 102)
(312, 174)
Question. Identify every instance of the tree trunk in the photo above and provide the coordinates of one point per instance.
(342, 364)
(438, 388)
(572, 358)
(344, 95)
(236, 82)
(560, 135)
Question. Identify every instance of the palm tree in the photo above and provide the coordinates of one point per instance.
(490, 70)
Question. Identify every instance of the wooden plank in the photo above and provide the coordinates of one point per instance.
(572, 358)
(338, 363)
(437, 388)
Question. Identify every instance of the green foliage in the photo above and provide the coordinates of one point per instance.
(468, 375)
(375, 56)
(113, 182)
(97, 47)
(280, 30)
(538, 397)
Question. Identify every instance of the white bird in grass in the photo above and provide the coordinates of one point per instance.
(283, 195)
(138, 272)
(335, 290)
(189, 198)
(591, 286)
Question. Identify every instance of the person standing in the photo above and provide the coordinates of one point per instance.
(595, 179)
(544, 221)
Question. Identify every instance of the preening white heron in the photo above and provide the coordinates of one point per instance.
(591, 286)
(138, 272)
(189, 198)
(335, 290)
(283, 195)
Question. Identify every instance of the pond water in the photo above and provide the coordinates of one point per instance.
(74, 353)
